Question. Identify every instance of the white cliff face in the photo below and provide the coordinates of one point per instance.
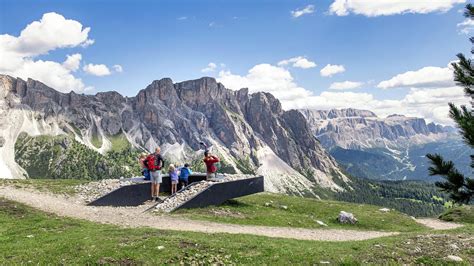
(276, 143)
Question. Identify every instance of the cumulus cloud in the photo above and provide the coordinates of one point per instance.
(466, 26)
(299, 62)
(51, 32)
(265, 77)
(211, 67)
(330, 70)
(345, 85)
(430, 103)
(118, 68)
(72, 62)
(390, 7)
(302, 11)
(425, 77)
(97, 70)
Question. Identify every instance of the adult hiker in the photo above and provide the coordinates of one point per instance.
(210, 161)
(154, 164)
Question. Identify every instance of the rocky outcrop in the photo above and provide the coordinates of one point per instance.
(177, 116)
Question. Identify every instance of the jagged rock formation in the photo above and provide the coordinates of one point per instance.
(242, 127)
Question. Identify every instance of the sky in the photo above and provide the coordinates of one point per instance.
(385, 56)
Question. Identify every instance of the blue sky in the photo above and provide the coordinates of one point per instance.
(178, 39)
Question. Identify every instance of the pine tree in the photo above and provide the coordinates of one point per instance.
(459, 187)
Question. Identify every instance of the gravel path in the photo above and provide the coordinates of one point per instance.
(438, 224)
(136, 217)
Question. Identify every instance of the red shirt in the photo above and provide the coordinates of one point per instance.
(210, 161)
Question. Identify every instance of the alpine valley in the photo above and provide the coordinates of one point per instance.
(391, 148)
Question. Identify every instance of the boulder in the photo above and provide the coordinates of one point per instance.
(454, 258)
(346, 218)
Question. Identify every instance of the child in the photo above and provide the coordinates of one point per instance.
(141, 161)
(174, 178)
(184, 175)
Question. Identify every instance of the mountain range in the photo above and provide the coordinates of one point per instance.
(391, 148)
(46, 133)
(250, 132)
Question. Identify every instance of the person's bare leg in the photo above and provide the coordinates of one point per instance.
(157, 189)
(152, 190)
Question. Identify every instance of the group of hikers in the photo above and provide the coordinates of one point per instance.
(153, 163)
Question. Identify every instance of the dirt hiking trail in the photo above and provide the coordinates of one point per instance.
(136, 217)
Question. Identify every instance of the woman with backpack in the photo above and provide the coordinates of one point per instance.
(210, 161)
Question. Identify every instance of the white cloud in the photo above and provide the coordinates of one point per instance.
(345, 85)
(299, 62)
(211, 67)
(390, 7)
(182, 18)
(466, 26)
(51, 73)
(87, 43)
(430, 103)
(425, 77)
(330, 70)
(118, 68)
(97, 70)
(302, 11)
(72, 62)
(265, 77)
(51, 32)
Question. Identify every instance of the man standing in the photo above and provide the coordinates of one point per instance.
(210, 161)
(155, 163)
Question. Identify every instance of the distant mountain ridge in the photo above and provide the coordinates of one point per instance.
(390, 148)
(353, 128)
(251, 132)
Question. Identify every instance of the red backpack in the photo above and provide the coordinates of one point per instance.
(150, 163)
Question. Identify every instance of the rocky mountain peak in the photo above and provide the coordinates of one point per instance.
(251, 133)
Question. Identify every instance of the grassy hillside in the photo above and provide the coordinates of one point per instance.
(281, 210)
(33, 237)
(459, 214)
(63, 157)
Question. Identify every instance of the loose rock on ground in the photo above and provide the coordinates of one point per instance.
(172, 202)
